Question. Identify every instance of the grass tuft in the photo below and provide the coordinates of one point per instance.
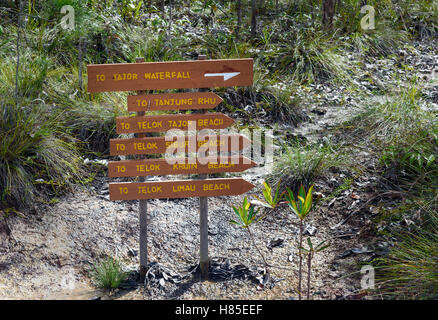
(301, 165)
(411, 269)
(32, 151)
(109, 274)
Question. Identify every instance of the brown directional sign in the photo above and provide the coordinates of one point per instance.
(174, 101)
(170, 75)
(178, 189)
(157, 167)
(177, 121)
(212, 143)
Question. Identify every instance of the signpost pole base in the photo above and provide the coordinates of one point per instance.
(143, 212)
(143, 215)
(203, 222)
(204, 261)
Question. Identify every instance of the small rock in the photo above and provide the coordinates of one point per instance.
(319, 111)
(310, 230)
(292, 257)
(275, 243)
(355, 196)
(132, 252)
(350, 252)
(95, 298)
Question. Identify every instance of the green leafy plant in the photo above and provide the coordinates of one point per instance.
(131, 9)
(310, 254)
(301, 208)
(270, 201)
(109, 274)
(247, 215)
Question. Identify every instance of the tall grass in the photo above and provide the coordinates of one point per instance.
(304, 164)
(411, 269)
(309, 56)
(403, 135)
(32, 150)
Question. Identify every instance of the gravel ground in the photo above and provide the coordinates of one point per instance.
(48, 254)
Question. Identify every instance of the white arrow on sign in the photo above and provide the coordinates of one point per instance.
(226, 75)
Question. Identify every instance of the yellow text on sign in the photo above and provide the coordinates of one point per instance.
(124, 76)
(202, 101)
(150, 125)
(121, 168)
(210, 122)
(184, 166)
(216, 186)
(146, 190)
(187, 187)
(166, 75)
(147, 168)
(179, 123)
(145, 146)
(220, 165)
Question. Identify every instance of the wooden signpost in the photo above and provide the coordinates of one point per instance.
(214, 149)
(174, 101)
(175, 121)
(170, 75)
(160, 167)
(219, 143)
(179, 189)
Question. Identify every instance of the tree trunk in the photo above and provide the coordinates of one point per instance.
(328, 12)
(239, 18)
(261, 6)
(80, 63)
(170, 22)
(253, 17)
